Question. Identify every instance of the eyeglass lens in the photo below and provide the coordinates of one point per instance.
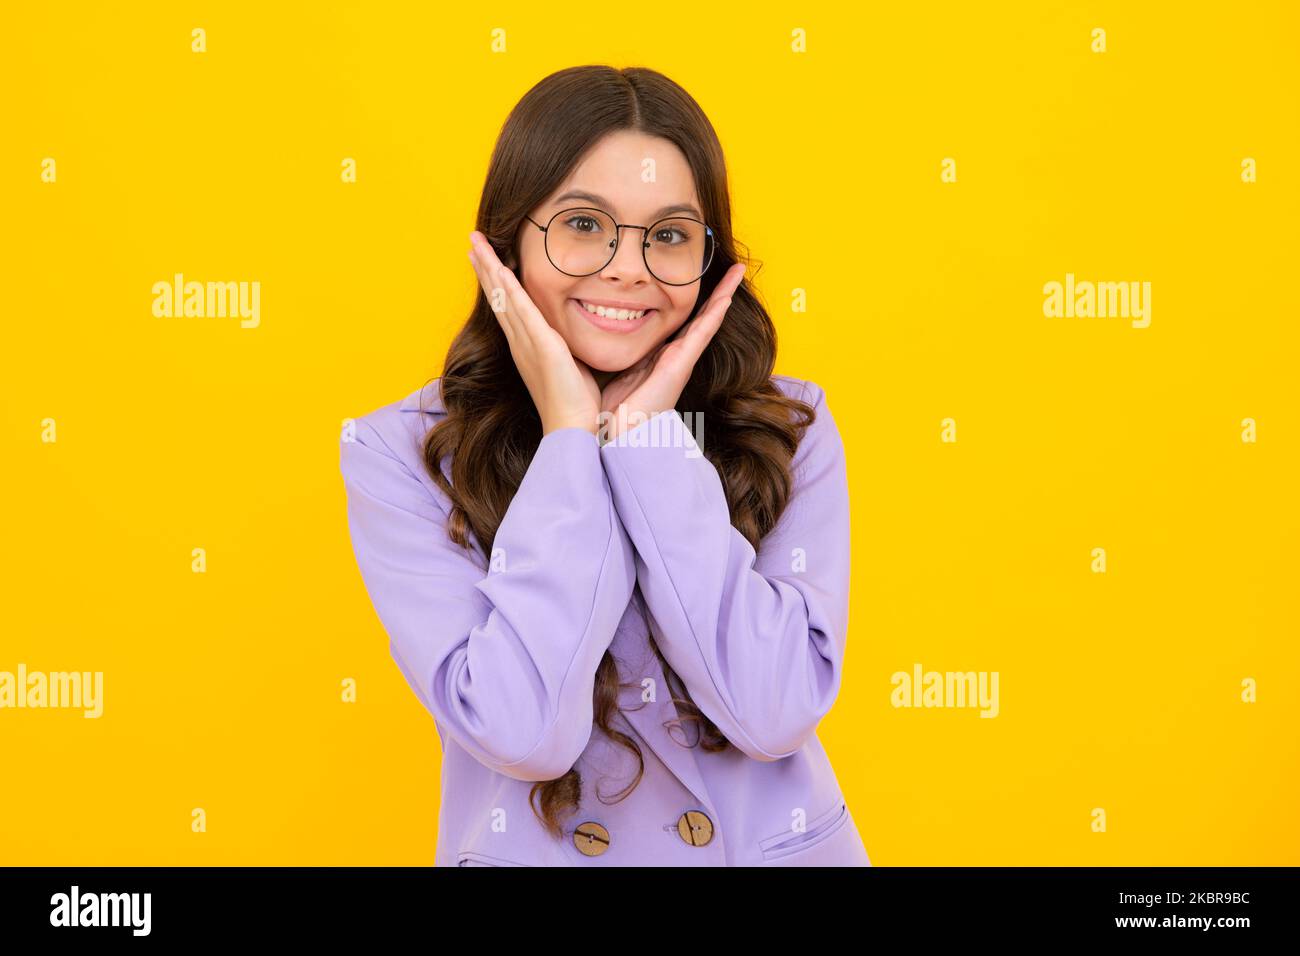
(582, 241)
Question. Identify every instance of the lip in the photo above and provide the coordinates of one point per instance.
(612, 325)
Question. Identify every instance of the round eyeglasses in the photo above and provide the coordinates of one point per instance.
(583, 240)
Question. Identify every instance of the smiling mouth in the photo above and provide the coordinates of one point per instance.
(619, 315)
(613, 320)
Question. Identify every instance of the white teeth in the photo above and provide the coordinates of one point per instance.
(622, 315)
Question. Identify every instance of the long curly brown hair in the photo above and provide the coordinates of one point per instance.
(492, 428)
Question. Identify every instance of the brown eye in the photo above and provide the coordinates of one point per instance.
(671, 235)
(585, 224)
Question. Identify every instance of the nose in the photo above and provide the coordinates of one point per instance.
(628, 262)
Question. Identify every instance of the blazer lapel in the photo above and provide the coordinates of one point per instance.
(636, 662)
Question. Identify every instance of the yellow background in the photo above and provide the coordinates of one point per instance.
(222, 690)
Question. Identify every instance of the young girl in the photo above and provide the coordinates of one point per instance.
(626, 628)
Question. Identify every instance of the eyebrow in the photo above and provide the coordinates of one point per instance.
(602, 201)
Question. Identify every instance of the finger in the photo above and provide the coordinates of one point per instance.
(480, 265)
(519, 308)
(704, 326)
(686, 351)
(530, 319)
(503, 317)
(480, 273)
(725, 288)
(485, 262)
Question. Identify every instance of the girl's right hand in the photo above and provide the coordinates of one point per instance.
(563, 389)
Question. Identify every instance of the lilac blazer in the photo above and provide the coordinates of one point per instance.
(504, 656)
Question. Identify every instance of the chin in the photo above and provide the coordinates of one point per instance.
(608, 359)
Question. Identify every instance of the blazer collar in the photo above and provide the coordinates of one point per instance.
(427, 398)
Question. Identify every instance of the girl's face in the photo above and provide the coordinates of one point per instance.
(609, 178)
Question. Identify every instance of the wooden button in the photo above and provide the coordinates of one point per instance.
(695, 828)
(591, 839)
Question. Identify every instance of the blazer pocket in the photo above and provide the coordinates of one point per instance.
(818, 830)
(472, 858)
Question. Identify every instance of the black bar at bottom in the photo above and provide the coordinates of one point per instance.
(445, 906)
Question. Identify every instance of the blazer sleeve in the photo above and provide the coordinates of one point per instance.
(758, 639)
(504, 657)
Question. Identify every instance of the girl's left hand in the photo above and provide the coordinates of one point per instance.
(655, 383)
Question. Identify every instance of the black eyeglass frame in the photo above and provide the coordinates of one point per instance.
(618, 236)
